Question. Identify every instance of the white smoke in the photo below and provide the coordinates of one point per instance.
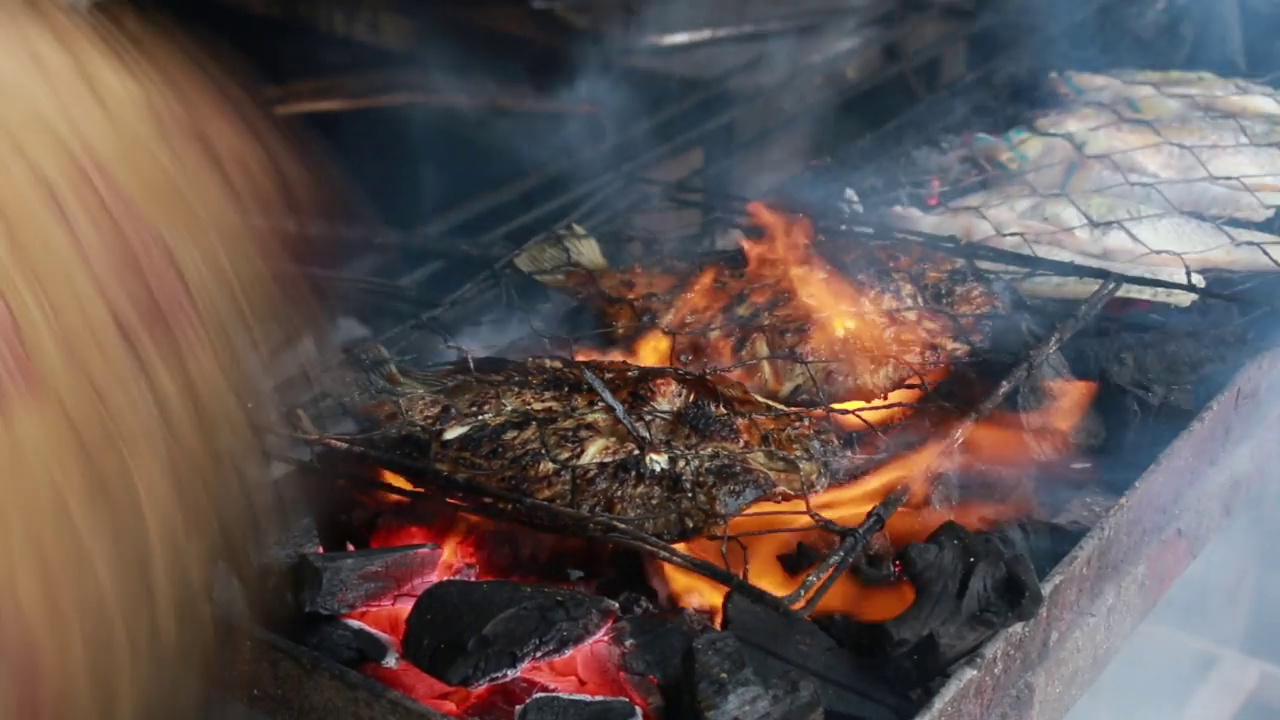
(1211, 642)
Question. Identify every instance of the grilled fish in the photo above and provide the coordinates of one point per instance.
(1056, 229)
(1144, 94)
(1098, 226)
(1219, 182)
(786, 323)
(669, 452)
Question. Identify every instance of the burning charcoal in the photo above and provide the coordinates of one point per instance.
(968, 587)
(655, 645)
(577, 707)
(776, 644)
(345, 643)
(725, 687)
(336, 583)
(1045, 544)
(469, 633)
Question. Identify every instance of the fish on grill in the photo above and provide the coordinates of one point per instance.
(1098, 229)
(853, 323)
(1181, 141)
(671, 453)
(1149, 94)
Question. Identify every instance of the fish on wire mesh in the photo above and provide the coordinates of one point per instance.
(1152, 94)
(672, 453)
(795, 325)
(1107, 181)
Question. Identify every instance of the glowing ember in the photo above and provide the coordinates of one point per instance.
(470, 550)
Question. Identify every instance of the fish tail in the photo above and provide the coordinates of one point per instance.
(549, 259)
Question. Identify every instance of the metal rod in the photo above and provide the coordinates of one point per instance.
(696, 37)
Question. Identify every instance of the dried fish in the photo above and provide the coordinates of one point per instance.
(670, 452)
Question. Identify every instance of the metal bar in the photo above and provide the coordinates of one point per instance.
(1118, 572)
(697, 37)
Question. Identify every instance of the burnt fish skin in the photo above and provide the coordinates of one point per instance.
(671, 453)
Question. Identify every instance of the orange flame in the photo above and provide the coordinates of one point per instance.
(473, 548)
(785, 274)
(1005, 442)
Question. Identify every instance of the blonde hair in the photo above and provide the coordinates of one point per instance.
(139, 296)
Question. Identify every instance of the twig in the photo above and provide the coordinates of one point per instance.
(620, 412)
(835, 564)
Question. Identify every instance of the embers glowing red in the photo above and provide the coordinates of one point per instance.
(935, 192)
(476, 549)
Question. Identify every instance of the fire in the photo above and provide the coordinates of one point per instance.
(787, 275)
(1004, 445)
(474, 548)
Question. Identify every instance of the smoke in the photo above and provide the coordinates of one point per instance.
(1196, 653)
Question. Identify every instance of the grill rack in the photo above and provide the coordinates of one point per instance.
(963, 696)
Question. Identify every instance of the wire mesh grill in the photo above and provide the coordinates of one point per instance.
(1156, 174)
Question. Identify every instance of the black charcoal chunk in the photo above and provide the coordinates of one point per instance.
(655, 645)
(344, 643)
(577, 707)
(470, 633)
(725, 687)
(336, 583)
(776, 644)
(968, 587)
